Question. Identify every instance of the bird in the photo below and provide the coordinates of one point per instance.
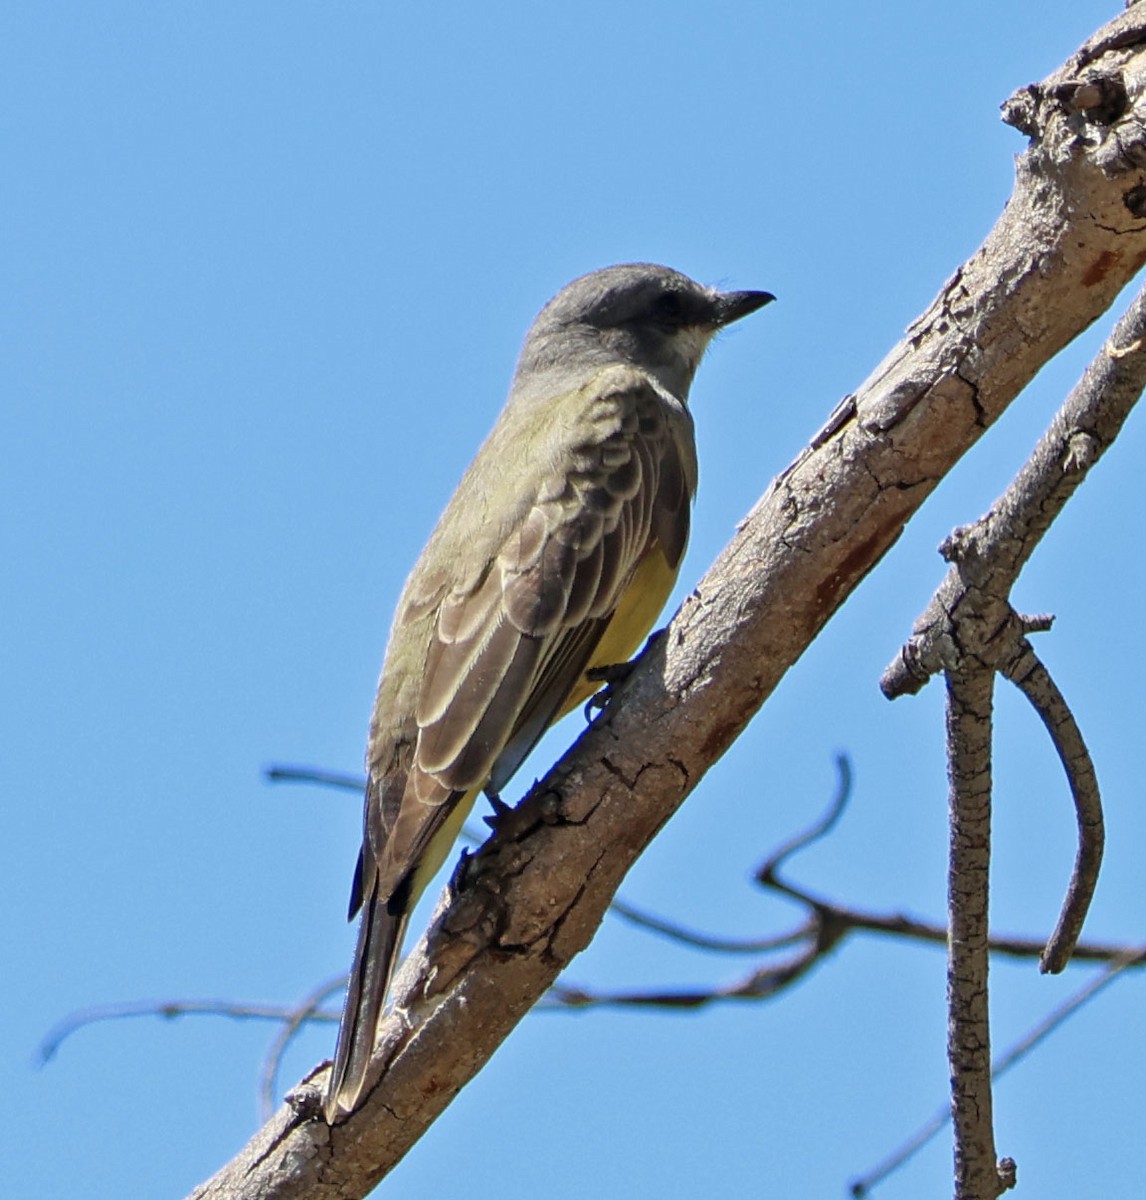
(550, 563)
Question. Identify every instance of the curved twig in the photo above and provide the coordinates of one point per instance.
(168, 1009)
(309, 1009)
(769, 870)
(1035, 682)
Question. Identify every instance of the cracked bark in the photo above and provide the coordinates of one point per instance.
(969, 631)
(1069, 239)
(973, 601)
(969, 702)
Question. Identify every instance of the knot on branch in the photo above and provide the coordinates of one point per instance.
(1088, 110)
(1021, 109)
(969, 622)
(1100, 96)
(1008, 1173)
(1082, 452)
(1097, 97)
(963, 548)
(1135, 200)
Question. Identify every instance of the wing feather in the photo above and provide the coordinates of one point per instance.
(458, 749)
(508, 644)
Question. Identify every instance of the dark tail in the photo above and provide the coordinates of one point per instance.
(380, 931)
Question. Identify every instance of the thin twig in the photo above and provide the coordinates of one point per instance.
(762, 984)
(826, 925)
(631, 913)
(969, 631)
(704, 941)
(769, 871)
(280, 773)
(999, 544)
(168, 1009)
(986, 560)
(308, 1009)
(1035, 682)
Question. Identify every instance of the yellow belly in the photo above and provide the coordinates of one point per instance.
(634, 617)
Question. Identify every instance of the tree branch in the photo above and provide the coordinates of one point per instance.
(969, 631)
(1036, 684)
(827, 923)
(971, 611)
(969, 702)
(1068, 241)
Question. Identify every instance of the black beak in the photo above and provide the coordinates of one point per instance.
(731, 306)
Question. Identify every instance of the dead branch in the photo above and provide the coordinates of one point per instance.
(971, 609)
(1036, 684)
(969, 703)
(1068, 241)
(969, 631)
(825, 924)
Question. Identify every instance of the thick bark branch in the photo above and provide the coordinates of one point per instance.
(1070, 238)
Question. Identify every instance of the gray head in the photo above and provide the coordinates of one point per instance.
(639, 313)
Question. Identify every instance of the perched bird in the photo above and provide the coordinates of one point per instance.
(554, 557)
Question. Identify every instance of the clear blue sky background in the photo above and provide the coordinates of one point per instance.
(265, 271)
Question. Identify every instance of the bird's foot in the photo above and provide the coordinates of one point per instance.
(500, 809)
(612, 675)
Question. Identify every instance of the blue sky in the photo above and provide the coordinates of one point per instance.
(266, 271)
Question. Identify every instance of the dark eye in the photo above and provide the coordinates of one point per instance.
(668, 308)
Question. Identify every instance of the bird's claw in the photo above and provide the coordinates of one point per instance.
(500, 809)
